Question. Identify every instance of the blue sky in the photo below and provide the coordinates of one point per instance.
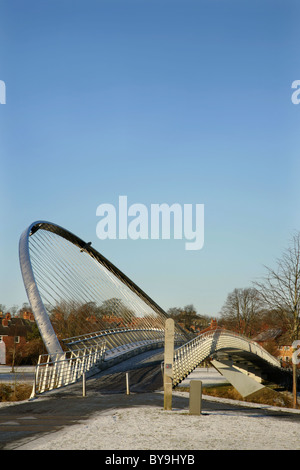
(185, 101)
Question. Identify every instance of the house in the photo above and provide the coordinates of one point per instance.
(213, 326)
(285, 350)
(13, 334)
(282, 345)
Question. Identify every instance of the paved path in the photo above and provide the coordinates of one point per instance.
(21, 374)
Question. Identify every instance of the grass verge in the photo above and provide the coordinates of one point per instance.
(15, 392)
(265, 396)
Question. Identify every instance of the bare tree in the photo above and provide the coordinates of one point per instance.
(241, 309)
(280, 289)
(189, 317)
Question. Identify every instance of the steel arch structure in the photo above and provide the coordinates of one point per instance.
(71, 286)
(74, 289)
(58, 267)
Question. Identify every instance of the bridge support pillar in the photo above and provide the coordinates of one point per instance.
(253, 372)
(243, 383)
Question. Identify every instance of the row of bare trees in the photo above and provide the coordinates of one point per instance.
(73, 318)
(189, 318)
(68, 319)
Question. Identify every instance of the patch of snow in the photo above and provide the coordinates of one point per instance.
(152, 428)
(208, 376)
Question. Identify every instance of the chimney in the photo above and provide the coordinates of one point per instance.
(4, 322)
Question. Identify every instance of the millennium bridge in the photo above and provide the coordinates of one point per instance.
(90, 316)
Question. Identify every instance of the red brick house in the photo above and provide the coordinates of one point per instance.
(282, 346)
(13, 334)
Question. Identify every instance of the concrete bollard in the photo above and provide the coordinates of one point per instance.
(195, 397)
(84, 385)
(127, 384)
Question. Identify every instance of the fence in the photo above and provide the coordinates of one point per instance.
(59, 370)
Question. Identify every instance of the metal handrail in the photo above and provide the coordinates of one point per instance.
(120, 338)
(116, 331)
(191, 354)
(61, 369)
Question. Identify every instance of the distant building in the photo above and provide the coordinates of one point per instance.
(281, 340)
(13, 333)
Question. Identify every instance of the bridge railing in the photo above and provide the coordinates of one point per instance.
(56, 371)
(120, 340)
(86, 352)
(191, 354)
